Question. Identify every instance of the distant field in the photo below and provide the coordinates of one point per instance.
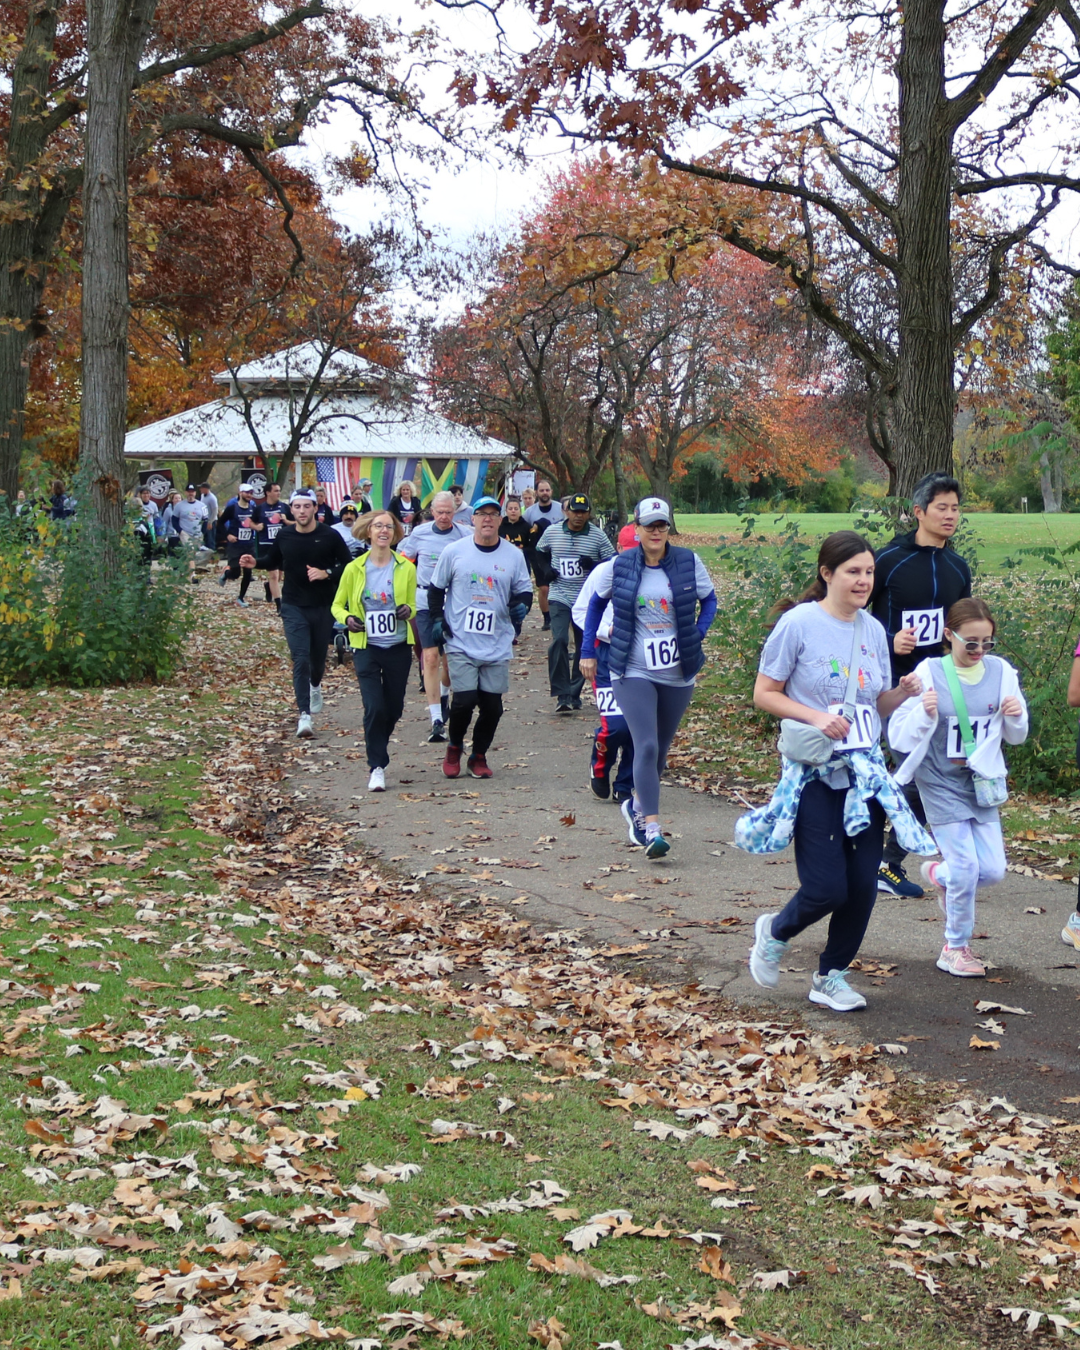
(1000, 535)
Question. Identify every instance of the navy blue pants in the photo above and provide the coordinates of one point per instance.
(383, 676)
(837, 875)
(309, 629)
(612, 740)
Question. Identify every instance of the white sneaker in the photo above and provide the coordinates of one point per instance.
(765, 954)
(834, 992)
(316, 697)
(304, 727)
(377, 781)
(1070, 934)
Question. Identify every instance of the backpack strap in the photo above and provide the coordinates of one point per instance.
(967, 736)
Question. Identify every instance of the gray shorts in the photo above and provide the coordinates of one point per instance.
(422, 619)
(493, 677)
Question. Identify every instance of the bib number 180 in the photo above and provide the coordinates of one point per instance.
(661, 653)
(380, 623)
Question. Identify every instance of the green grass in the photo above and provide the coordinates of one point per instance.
(999, 536)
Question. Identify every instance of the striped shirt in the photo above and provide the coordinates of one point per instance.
(573, 556)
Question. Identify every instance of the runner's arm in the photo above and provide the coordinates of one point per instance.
(706, 614)
(593, 615)
(271, 561)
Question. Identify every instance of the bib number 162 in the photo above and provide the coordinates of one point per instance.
(661, 653)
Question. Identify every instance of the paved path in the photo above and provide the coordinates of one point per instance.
(536, 839)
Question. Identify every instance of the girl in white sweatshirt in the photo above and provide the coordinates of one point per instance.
(927, 730)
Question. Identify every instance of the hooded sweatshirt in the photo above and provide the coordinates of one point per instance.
(915, 585)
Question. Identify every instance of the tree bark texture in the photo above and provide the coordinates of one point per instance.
(924, 402)
(116, 33)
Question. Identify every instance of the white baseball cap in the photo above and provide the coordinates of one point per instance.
(652, 509)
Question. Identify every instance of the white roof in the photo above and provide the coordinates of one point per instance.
(299, 364)
(352, 424)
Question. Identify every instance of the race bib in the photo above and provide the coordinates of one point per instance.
(570, 569)
(954, 743)
(606, 704)
(243, 533)
(661, 653)
(380, 623)
(861, 732)
(929, 625)
(479, 619)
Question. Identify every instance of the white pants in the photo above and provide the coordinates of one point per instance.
(974, 856)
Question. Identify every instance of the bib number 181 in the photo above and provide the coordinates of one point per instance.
(479, 620)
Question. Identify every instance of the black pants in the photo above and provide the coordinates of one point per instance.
(383, 676)
(308, 630)
(462, 707)
(837, 875)
(233, 554)
(564, 674)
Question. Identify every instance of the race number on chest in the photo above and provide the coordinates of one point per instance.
(929, 625)
(570, 569)
(479, 619)
(980, 726)
(380, 623)
(661, 653)
(861, 733)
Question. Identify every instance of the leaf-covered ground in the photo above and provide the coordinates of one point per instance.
(261, 1092)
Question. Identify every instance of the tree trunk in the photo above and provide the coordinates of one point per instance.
(116, 31)
(924, 401)
(622, 508)
(1051, 490)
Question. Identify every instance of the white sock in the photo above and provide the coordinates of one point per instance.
(444, 691)
(652, 829)
(435, 710)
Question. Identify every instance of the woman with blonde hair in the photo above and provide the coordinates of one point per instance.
(375, 599)
(404, 506)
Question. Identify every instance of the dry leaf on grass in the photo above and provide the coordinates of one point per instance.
(777, 1279)
(550, 1334)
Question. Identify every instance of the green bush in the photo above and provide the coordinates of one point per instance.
(61, 623)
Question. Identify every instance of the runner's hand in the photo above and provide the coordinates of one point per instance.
(588, 668)
(403, 612)
(316, 574)
(1012, 707)
(911, 685)
(904, 642)
(247, 561)
(929, 701)
(353, 624)
(438, 632)
(833, 725)
(231, 538)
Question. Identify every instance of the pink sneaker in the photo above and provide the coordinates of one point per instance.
(960, 961)
(928, 871)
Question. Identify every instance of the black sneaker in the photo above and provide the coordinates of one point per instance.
(564, 706)
(547, 624)
(601, 788)
(892, 880)
(619, 797)
(438, 733)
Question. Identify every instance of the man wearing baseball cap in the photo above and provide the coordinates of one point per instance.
(573, 547)
(312, 558)
(241, 522)
(479, 586)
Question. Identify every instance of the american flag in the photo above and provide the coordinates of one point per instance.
(327, 475)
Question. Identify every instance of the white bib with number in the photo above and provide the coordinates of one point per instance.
(929, 625)
(570, 569)
(861, 732)
(606, 704)
(954, 742)
(380, 623)
(661, 653)
(479, 619)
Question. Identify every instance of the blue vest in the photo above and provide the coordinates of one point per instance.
(680, 566)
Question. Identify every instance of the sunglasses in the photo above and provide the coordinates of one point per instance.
(972, 645)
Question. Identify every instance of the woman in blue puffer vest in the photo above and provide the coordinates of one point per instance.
(663, 602)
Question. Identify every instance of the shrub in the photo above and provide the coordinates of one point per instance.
(61, 624)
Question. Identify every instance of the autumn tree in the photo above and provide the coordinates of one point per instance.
(908, 162)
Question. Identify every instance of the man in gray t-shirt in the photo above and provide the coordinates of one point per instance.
(573, 547)
(477, 585)
(543, 513)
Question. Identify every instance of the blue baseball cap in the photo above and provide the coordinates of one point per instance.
(487, 501)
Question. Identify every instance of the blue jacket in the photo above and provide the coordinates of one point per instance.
(680, 566)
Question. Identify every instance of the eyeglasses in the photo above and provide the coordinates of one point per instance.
(972, 645)
(657, 525)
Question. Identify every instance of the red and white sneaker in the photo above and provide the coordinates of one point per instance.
(960, 961)
(451, 765)
(478, 767)
(929, 873)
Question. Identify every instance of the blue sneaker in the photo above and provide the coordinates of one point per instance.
(834, 992)
(657, 847)
(892, 879)
(765, 954)
(635, 824)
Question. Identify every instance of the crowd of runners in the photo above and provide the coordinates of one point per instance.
(893, 709)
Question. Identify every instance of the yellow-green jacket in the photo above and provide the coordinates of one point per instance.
(351, 589)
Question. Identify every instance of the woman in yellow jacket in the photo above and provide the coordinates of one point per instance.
(375, 599)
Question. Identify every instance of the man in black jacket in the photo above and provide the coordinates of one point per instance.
(917, 580)
(312, 558)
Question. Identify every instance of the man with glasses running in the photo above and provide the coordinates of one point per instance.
(917, 580)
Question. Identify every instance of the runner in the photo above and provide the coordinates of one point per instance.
(405, 506)
(825, 670)
(190, 514)
(344, 527)
(362, 496)
(425, 546)
(462, 509)
(528, 498)
(242, 523)
(541, 514)
(276, 513)
(324, 512)
(951, 741)
(1070, 934)
(663, 602)
(375, 599)
(918, 579)
(479, 587)
(612, 741)
(572, 548)
(208, 500)
(513, 528)
(312, 558)
(170, 522)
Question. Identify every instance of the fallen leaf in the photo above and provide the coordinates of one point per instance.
(976, 1044)
(550, 1334)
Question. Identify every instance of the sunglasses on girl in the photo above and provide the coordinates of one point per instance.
(973, 645)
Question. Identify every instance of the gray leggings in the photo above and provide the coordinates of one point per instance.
(653, 713)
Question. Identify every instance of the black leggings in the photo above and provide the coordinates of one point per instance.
(234, 570)
(461, 710)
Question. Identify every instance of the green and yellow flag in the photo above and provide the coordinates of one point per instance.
(434, 478)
